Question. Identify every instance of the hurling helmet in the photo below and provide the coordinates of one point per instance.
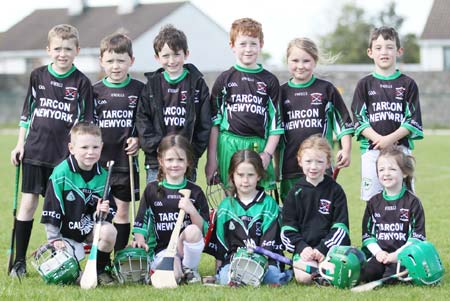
(422, 262)
(247, 268)
(132, 265)
(55, 266)
(347, 262)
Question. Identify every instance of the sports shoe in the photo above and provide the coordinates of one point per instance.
(191, 275)
(19, 269)
(105, 278)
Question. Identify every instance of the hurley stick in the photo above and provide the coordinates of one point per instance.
(164, 275)
(278, 257)
(371, 285)
(13, 234)
(133, 198)
(89, 277)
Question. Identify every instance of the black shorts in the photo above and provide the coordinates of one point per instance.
(120, 186)
(35, 178)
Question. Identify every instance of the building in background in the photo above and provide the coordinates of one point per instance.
(435, 39)
(22, 47)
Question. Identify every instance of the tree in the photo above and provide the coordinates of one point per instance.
(390, 18)
(411, 53)
(350, 37)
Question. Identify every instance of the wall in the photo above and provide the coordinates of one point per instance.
(434, 90)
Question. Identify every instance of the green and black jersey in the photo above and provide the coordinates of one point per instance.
(315, 107)
(53, 105)
(245, 102)
(158, 212)
(115, 113)
(315, 216)
(385, 104)
(238, 224)
(71, 199)
(392, 221)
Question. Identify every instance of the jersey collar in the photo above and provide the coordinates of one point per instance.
(57, 75)
(395, 75)
(258, 198)
(305, 85)
(74, 167)
(172, 186)
(394, 197)
(175, 80)
(116, 85)
(246, 70)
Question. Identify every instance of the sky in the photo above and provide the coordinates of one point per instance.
(282, 20)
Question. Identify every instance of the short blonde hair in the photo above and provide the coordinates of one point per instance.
(85, 128)
(65, 32)
(315, 142)
(312, 49)
(248, 27)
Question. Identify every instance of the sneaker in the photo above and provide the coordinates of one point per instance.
(19, 269)
(105, 278)
(191, 275)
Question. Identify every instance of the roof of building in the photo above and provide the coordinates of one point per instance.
(438, 22)
(93, 23)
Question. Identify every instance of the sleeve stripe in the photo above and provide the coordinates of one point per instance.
(287, 243)
(336, 239)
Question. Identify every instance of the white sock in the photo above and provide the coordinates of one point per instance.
(192, 253)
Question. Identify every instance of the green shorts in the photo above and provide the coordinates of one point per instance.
(229, 143)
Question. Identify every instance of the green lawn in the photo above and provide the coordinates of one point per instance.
(432, 185)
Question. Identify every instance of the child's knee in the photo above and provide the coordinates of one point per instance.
(192, 234)
(108, 235)
(28, 206)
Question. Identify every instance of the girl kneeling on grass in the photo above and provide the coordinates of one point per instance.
(394, 218)
(315, 215)
(248, 216)
(160, 205)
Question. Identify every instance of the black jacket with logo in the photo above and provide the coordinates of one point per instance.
(315, 216)
(150, 122)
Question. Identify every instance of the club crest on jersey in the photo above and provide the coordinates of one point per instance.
(70, 93)
(404, 214)
(399, 93)
(183, 95)
(324, 206)
(70, 197)
(231, 226)
(261, 88)
(132, 101)
(316, 98)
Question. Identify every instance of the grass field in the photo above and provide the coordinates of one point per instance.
(432, 186)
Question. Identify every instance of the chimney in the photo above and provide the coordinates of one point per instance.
(76, 7)
(126, 6)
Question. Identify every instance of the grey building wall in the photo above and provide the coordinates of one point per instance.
(434, 90)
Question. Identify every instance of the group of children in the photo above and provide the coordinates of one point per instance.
(69, 130)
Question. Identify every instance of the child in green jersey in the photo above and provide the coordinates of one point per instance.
(74, 199)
